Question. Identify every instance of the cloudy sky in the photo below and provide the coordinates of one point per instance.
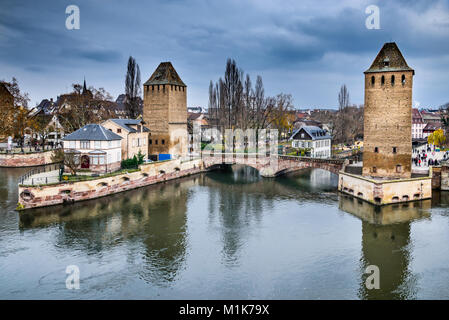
(306, 48)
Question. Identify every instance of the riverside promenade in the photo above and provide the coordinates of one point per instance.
(33, 196)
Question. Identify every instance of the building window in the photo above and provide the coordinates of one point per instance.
(85, 144)
(155, 141)
(373, 80)
(151, 142)
(403, 79)
(163, 141)
(119, 130)
(97, 144)
(374, 170)
(72, 144)
(392, 80)
(382, 80)
(376, 149)
(398, 168)
(395, 149)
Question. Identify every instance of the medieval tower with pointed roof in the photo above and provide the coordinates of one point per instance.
(165, 112)
(387, 147)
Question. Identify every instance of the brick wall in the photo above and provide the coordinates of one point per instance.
(165, 112)
(25, 159)
(387, 124)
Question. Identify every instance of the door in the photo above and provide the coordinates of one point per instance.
(85, 162)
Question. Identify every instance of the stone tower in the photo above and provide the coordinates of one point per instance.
(165, 112)
(387, 147)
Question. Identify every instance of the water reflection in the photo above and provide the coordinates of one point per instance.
(386, 243)
(224, 234)
(152, 219)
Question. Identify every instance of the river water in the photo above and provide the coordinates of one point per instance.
(225, 235)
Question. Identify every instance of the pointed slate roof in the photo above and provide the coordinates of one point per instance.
(92, 132)
(165, 73)
(389, 58)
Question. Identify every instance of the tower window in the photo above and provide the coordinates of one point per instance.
(163, 141)
(392, 80)
(382, 80)
(376, 149)
(150, 141)
(152, 88)
(398, 168)
(395, 149)
(155, 141)
(374, 170)
(403, 79)
(373, 80)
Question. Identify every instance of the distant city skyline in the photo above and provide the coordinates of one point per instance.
(307, 49)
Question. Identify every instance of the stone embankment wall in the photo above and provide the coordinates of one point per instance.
(68, 192)
(382, 192)
(444, 178)
(25, 159)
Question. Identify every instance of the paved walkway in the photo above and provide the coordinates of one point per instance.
(43, 178)
(434, 155)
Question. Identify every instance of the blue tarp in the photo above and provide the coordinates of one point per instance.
(164, 156)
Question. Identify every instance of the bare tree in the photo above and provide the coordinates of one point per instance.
(21, 99)
(234, 103)
(132, 89)
(343, 97)
(70, 159)
(79, 108)
(340, 127)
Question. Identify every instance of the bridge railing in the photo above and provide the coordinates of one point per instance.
(43, 180)
(258, 155)
(310, 159)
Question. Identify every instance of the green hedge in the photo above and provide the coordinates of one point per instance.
(134, 162)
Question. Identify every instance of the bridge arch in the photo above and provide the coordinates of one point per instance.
(274, 166)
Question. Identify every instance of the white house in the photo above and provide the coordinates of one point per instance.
(98, 148)
(418, 125)
(313, 138)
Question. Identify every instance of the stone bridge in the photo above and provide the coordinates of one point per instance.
(271, 166)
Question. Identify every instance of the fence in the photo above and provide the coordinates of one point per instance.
(39, 180)
(27, 150)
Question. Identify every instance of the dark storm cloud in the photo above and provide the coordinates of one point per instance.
(95, 55)
(286, 40)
